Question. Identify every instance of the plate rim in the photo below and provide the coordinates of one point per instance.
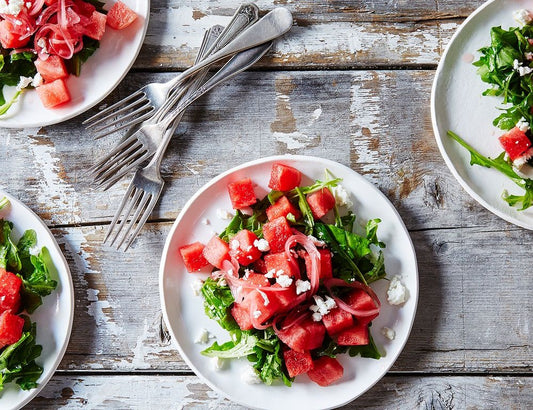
(214, 180)
(85, 108)
(69, 287)
(439, 139)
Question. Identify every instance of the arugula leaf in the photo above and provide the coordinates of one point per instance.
(40, 281)
(505, 167)
(217, 300)
(371, 232)
(308, 218)
(370, 350)
(241, 347)
(9, 258)
(74, 64)
(4, 202)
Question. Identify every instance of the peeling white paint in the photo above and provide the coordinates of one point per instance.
(293, 140)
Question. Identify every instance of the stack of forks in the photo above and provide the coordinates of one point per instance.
(150, 115)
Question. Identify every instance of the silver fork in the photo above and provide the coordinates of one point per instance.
(146, 186)
(272, 25)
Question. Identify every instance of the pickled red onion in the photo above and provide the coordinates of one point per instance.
(329, 283)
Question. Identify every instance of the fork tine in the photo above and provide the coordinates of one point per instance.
(119, 211)
(119, 171)
(145, 116)
(111, 161)
(106, 162)
(126, 215)
(133, 221)
(100, 114)
(126, 117)
(112, 181)
(149, 208)
(134, 104)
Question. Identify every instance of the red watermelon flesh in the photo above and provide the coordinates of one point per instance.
(193, 256)
(54, 93)
(516, 143)
(216, 251)
(278, 262)
(241, 193)
(282, 207)
(276, 233)
(9, 291)
(8, 37)
(356, 335)
(52, 68)
(307, 335)
(337, 320)
(297, 362)
(243, 249)
(120, 16)
(326, 370)
(321, 202)
(96, 27)
(10, 328)
(284, 177)
(360, 300)
(326, 270)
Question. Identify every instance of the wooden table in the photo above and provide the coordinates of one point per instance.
(350, 82)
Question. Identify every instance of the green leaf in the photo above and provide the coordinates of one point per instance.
(217, 300)
(242, 347)
(370, 350)
(9, 258)
(4, 202)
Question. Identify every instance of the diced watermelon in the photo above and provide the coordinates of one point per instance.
(357, 335)
(284, 177)
(517, 145)
(96, 27)
(252, 303)
(49, 2)
(303, 336)
(280, 262)
(276, 233)
(8, 37)
(336, 320)
(52, 68)
(241, 193)
(193, 256)
(326, 370)
(284, 298)
(282, 207)
(10, 328)
(257, 279)
(241, 314)
(360, 300)
(84, 8)
(54, 93)
(216, 251)
(297, 362)
(259, 266)
(242, 247)
(120, 16)
(326, 271)
(9, 291)
(321, 202)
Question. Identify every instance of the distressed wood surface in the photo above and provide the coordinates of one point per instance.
(340, 85)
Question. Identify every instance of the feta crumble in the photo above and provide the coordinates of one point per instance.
(388, 333)
(221, 213)
(522, 125)
(284, 281)
(203, 337)
(266, 301)
(24, 82)
(317, 317)
(196, 286)
(37, 80)
(250, 376)
(342, 197)
(270, 274)
(302, 286)
(520, 69)
(234, 244)
(316, 242)
(262, 245)
(323, 306)
(257, 313)
(397, 293)
(13, 7)
(218, 363)
(522, 16)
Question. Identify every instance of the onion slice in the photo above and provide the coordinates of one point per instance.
(329, 283)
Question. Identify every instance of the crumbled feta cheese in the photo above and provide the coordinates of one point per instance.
(317, 317)
(522, 125)
(250, 376)
(270, 274)
(397, 293)
(28, 4)
(218, 363)
(302, 286)
(203, 337)
(250, 257)
(230, 272)
(520, 69)
(528, 55)
(262, 245)
(248, 248)
(221, 213)
(284, 281)
(522, 16)
(323, 306)
(37, 80)
(388, 333)
(330, 302)
(205, 221)
(342, 198)
(257, 313)
(280, 272)
(24, 82)
(313, 308)
(13, 7)
(222, 282)
(247, 273)
(316, 241)
(196, 286)
(234, 244)
(266, 301)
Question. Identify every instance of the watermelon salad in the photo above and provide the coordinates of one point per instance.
(507, 65)
(43, 42)
(24, 280)
(291, 289)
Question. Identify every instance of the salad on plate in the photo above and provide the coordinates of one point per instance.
(289, 280)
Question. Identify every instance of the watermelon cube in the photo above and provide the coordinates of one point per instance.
(242, 247)
(84, 8)
(336, 320)
(303, 336)
(96, 27)
(10, 328)
(259, 266)
(241, 314)
(321, 202)
(326, 270)
(360, 300)
(52, 68)
(517, 145)
(279, 262)
(284, 298)
(193, 256)
(54, 93)
(357, 335)
(257, 279)
(276, 233)
(326, 370)
(282, 207)
(120, 16)
(216, 251)
(9, 291)
(297, 362)
(255, 304)
(284, 177)
(9, 38)
(241, 193)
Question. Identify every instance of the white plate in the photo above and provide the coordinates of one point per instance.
(102, 72)
(184, 312)
(457, 104)
(54, 316)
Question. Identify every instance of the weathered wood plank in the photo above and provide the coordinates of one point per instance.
(376, 122)
(474, 307)
(392, 392)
